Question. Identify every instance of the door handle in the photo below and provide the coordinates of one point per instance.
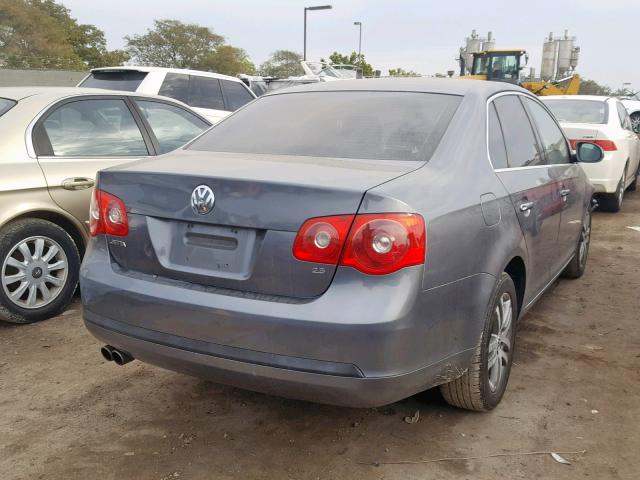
(565, 193)
(526, 206)
(77, 183)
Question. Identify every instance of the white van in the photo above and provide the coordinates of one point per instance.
(212, 95)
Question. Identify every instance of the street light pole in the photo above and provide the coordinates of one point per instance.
(320, 7)
(359, 24)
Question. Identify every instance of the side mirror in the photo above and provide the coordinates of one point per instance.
(589, 152)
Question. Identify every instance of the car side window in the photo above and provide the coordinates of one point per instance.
(553, 141)
(497, 149)
(97, 127)
(175, 85)
(205, 92)
(173, 126)
(521, 143)
(236, 94)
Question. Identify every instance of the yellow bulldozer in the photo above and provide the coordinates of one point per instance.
(505, 66)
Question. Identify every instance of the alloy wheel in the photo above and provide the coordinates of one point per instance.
(585, 238)
(635, 122)
(34, 272)
(623, 181)
(499, 346)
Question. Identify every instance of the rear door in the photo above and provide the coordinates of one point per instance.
(533, 188)
(78, 137)
(572, 187)
(171, 126)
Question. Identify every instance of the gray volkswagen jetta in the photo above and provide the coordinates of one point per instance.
(350, 243)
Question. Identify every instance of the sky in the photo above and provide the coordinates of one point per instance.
(423, 36)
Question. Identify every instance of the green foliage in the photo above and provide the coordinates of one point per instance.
(401, 72)
(171, 43)
(353, 59)
(591, 87)
(42, 34)
(282, 64)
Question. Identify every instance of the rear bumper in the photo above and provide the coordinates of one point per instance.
(325, 388)
(365, 342)
(606, 174)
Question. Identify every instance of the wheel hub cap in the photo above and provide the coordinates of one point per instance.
(34, 272)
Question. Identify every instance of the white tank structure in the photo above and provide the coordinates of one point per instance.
(566, 54)
(489, 43)
(473, 44)
(549, 53)
(559, 57)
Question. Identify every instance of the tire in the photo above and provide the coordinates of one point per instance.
(634, 184)
(39, 268)
(612, 202)
(578, 263)
(479, 389)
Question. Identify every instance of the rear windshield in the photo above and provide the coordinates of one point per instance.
(6, 105)
(578, 111)
(128, 80)
(371, 125)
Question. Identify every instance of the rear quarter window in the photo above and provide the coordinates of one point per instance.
(126, 80)
(236, 94)
(6, 105)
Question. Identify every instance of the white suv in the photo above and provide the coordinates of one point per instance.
(605, 122)
(212, 95)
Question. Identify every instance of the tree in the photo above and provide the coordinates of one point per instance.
(171, 43)
(401, 72)
(30, 38)
(230, 60)
(353, 59)
(42, 34)
(282, 64)
(591, 87)
(87, 41)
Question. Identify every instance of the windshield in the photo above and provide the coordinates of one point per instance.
(497, 67)
(480, 65)
(6, 105)
(578, 111)
(124, 80)
(347, 124)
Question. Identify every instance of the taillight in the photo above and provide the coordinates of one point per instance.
(321, 239)
(376, 244)
(107, 215)
(606, 145)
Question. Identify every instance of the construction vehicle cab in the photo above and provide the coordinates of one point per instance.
(505, 66)
(499, 65)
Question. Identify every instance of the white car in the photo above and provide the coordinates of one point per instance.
(632, 104)
(212, 95)
(605, 122)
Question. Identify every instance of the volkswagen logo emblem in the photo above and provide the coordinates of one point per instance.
(202, 199)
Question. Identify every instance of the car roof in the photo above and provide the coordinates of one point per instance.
(450, 86)
(141, 68)
(43, 96)
(602, 98)
(51, 93)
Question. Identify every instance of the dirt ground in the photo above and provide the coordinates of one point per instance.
(66, 414)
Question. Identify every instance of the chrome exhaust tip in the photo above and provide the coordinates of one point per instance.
(120, 357)
(107, 353)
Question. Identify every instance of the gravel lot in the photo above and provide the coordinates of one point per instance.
(65, 413)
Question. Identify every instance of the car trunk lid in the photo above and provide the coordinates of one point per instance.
(245, 242)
